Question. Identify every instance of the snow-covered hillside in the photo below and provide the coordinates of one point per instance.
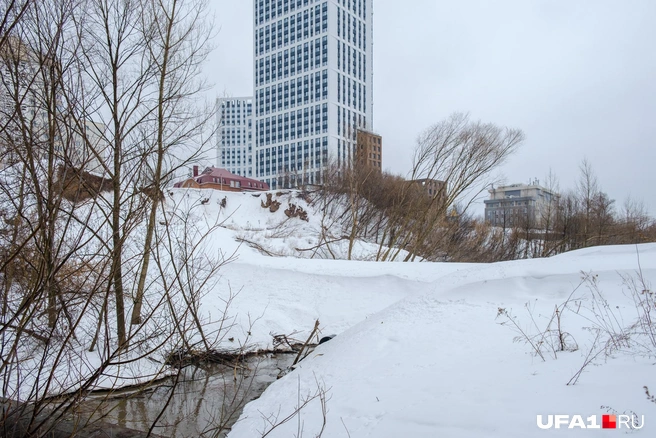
(274, 233)
(431, 349)
(286, 294)
(422, 349)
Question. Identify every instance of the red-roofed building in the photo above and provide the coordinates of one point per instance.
(221, 179)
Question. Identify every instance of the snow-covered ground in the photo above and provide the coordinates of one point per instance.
(254, 297)
(274, 233)
(430, 349)
(422, 349)
(284, 295)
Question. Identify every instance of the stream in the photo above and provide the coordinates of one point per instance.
(206, 401)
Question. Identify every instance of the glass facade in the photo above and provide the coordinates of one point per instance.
(311, 86)
(235, 135)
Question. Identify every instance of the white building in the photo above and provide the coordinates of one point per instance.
(520, 205)
(235, 135)
(23, 106)
(27, 110)
(313, 86)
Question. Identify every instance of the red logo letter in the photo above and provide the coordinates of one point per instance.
(609, 421)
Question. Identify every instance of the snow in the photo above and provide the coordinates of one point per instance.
(429, 356)
(275, 232)
(422, 349)
(287, 294)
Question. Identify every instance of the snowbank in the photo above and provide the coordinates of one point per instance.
(439, 364)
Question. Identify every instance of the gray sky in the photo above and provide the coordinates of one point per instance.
(577, 76)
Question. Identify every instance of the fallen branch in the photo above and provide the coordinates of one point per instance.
(307, 343)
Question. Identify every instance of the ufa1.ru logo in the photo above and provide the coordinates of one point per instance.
(591, 422)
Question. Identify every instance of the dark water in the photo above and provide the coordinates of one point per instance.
(205, 401)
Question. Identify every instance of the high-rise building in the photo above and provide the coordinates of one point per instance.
(29, 111)
(23, 105)
(235, 135)
(313, 86)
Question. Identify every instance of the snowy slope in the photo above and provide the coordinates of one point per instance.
(253, 298)
(438, 363)
(274, 233)
(267, 295)
(420, 350)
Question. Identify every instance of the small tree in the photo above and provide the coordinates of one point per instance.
(587, 189)
(549, 217)
(634, 222)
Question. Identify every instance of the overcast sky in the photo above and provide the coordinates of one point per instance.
(577, 76)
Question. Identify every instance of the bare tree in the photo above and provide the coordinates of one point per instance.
(587, 189)
(462, 154)
(79, 240)
(603, 218)
(177, 42)
(116, 54)
(549, 214)
(11, 15)
(634, 221)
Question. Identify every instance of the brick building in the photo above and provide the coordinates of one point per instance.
(221, 179)
(369, 151)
